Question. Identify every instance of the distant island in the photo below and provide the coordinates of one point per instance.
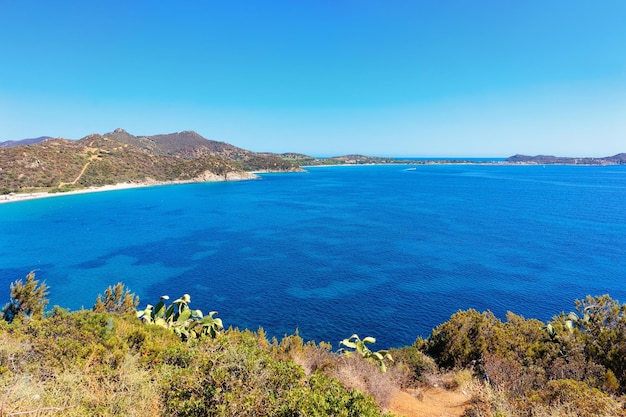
(118, 158)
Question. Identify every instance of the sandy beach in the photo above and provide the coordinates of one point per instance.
(15, 197)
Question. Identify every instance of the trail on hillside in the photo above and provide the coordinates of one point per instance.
(429, 402)
(82, 171)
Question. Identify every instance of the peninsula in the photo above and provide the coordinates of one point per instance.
(619, 159)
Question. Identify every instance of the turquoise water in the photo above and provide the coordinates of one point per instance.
(387, 251)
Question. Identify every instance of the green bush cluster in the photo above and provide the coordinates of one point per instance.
(532, 362)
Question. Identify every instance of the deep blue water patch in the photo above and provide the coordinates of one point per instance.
(387, 251)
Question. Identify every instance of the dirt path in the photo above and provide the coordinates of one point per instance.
(82, 171)
(429, 402)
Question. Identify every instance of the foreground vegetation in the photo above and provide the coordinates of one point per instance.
(571, 366)
(171, 360)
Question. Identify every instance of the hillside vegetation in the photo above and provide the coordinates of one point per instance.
(171, 360)
(119, 157)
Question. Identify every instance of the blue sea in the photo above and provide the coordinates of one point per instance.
(386, 251)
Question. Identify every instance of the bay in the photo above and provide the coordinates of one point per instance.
(386, 251)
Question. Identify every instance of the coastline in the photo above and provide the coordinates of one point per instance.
(16, 197)
(235, 176)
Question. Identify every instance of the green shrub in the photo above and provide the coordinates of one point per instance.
(603, 331)
(414, 363)
(572, 398)
(466, 337)
(325, 396)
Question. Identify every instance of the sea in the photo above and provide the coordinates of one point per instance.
(389, 251)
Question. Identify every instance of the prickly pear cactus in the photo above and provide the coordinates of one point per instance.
(183, 321)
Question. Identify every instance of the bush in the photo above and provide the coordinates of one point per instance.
(233, 375)
(325, 396)
(603, 332)
(572, 398)
(413, 364)
(466, 337)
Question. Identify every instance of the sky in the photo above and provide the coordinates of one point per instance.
(322, 77)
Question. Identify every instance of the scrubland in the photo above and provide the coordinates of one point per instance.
(171, 360)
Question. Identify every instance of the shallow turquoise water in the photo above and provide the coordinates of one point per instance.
(386, 251)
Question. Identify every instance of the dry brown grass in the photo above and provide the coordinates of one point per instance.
(352, 371)
(358, 373)
(74, 392)
(561, 398)
(313, 358)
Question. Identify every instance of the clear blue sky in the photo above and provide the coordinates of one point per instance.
(322, 77)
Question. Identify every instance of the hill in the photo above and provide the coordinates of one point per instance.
(119, 157)
(619, 159)
(189, 145)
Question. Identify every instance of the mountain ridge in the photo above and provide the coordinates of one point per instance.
(22, 142)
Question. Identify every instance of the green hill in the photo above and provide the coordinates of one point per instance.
(119, 157)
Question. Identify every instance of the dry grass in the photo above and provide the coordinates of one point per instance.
(562, 398)
(358, 373)
(75, 392)
(352, 371)
(462, 379)
(313, 358)
(488, 402)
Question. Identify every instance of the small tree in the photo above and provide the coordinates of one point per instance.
(117, 299)
(27, 299)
